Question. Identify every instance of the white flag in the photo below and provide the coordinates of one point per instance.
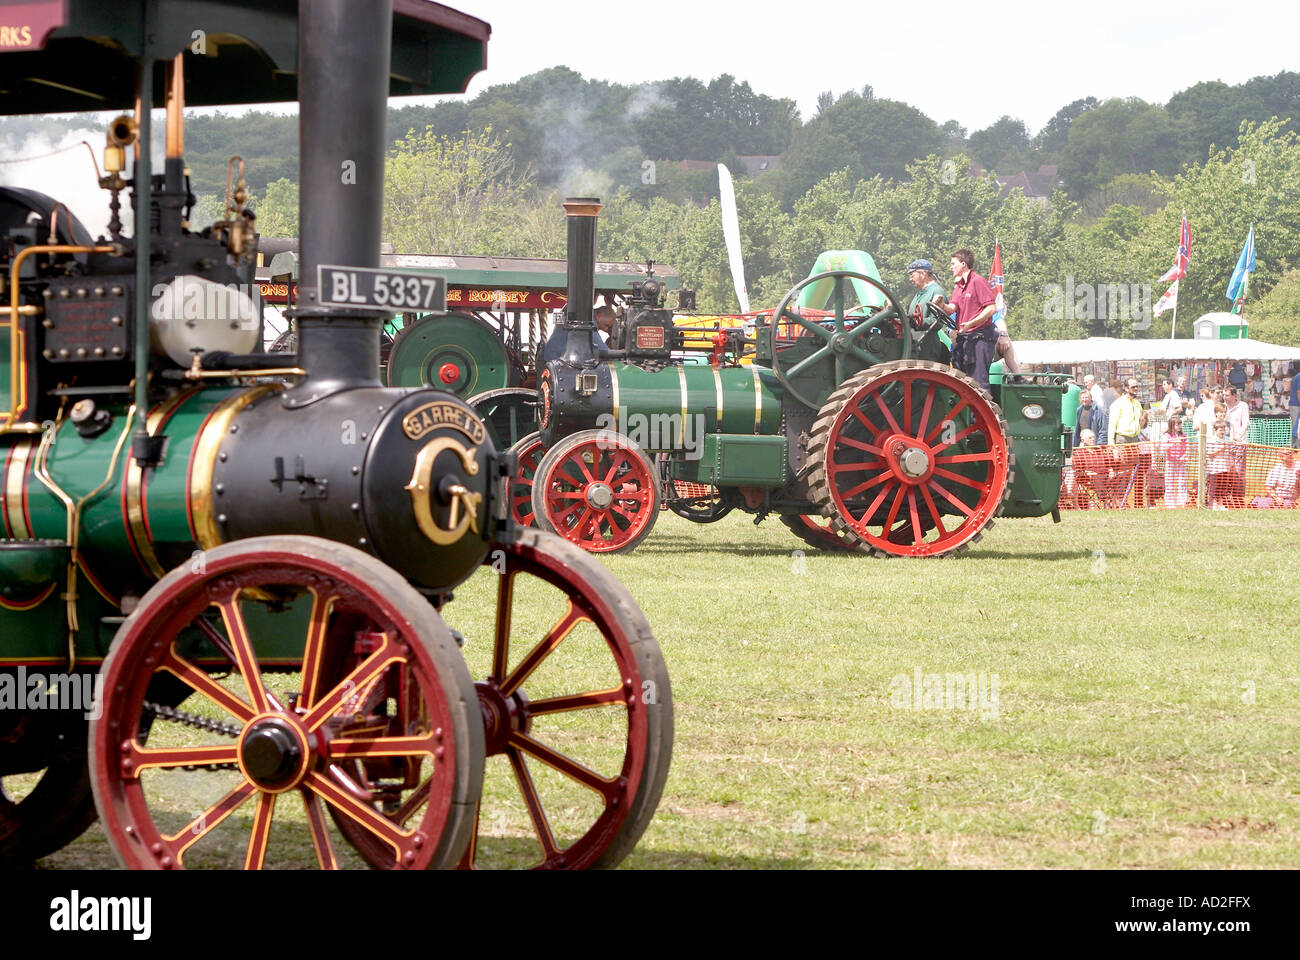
(1168, 301)
(731, 234)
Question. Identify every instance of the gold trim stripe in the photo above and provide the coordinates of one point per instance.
(135, 484)
(681, 380)
(613, 383)
(203, 460)
(758, 401)
(22, 454)
(717, 386)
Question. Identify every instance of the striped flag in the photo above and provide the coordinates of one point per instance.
(995, 282)
(1184, 254)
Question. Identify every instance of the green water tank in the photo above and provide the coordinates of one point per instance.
(996, 371)
(1070, 405)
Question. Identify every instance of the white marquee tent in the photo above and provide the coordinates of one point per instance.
(1063, 353)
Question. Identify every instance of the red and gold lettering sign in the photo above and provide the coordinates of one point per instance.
(475, 298)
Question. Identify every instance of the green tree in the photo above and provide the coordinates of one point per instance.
(452, 196)
(1120, 136)
(277, 213)
(1276, 317)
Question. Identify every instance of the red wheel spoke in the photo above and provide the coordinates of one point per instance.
(242, 645)
(938, 488)
(866, 421)
(958, 478)
(918, 535)
(893, 508)
(584, 522)
(341, 748)
(195, 678)
(563, 518)
(907, 407)
(145, 758)
(958, 438)
(418, 798)
(255, 858)
(616, 459)
(577, 701)
(867, 485)
(843, 441)
(934, 512)
(925, 413)
(562, 628)
(889, 417)
(505, 616)
(362, 814)
(965, 458)
(541, 825)
(567, 495)
(320, 837)
(572, 769)
(388, 653)
(632, 496)
(875, 504)
(581, 461)
(950, 418)
(199, 827)
(314, 649)
(837, 468)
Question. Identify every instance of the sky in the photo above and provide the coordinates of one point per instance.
(962, 61)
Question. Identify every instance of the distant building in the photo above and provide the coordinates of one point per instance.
(749, 166)
(1036, 187)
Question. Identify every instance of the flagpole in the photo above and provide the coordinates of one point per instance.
(1174, 323)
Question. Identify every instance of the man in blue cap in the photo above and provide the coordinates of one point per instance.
(921, 273)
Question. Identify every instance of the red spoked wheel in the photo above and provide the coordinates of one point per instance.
(816, 531)
(244, 770)
(529, 450)
(910, 458)
(598, 490)
(576, 707)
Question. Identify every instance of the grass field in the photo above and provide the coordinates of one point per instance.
(1136, 697)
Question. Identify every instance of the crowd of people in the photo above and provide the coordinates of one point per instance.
(1121, 457)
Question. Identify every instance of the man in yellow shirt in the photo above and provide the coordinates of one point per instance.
(1125, 415)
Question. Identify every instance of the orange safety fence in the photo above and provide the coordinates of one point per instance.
(1168, 472)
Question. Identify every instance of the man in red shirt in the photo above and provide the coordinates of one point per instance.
(974, 344)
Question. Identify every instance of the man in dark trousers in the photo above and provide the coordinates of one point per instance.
(974, 344)
(1091, 417)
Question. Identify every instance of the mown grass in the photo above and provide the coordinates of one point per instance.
(1148, 708)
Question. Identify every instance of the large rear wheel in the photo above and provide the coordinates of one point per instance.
(910, 458)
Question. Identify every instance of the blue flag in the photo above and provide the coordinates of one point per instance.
(1241, 275)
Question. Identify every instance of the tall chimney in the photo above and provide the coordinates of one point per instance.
(343, 76)
(578, 318)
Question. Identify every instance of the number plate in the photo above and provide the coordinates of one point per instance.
(382, 289)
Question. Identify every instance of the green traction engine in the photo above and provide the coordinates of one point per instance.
(226, 576)
(841, 415)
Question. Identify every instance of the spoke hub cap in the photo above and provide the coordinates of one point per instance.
(909, 459)
(502, 715)
(273, 754)
(600, 495)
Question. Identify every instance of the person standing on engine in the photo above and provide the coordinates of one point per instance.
(974, 343)
(553, 349)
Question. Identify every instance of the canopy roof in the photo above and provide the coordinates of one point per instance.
(77, 55)
(1061, 353)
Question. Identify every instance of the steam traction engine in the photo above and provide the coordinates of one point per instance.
(849, 424)
(251, 556)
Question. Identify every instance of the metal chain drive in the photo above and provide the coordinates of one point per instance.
(201, 723)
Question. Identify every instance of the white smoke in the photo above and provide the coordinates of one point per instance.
(54, 163)
(647, 97)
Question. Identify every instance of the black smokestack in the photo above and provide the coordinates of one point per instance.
(343, 68)
(578, 318)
